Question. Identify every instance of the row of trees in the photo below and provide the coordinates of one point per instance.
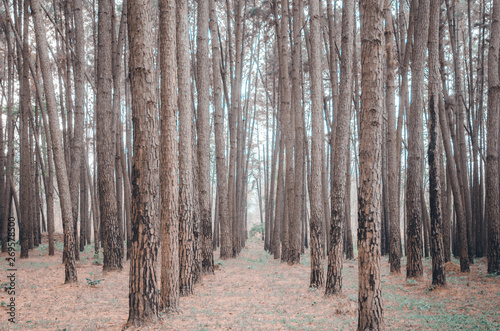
(134, 127)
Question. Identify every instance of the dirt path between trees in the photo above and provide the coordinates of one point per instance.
(251, 292)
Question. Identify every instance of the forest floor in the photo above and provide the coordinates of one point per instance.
(251, 292)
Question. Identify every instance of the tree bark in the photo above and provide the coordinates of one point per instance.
(414, 267)
(143, 288)
(370, 313)
(184, 102)
(316, 279)
(492, 163)
(203, 129)
(169, 161)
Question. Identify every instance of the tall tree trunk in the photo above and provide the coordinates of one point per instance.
(459, 146)
(492, 163)
(414, 267)
(57, 145)
(316, 279)
(370, 316)
(169, 161)
(339, 155)
(392, 164)
(434, 152)
(203, 129)
(186, 207)
(25, 184)
(143, 288)
(106, 131)
(77, 141)
(296, 216)
(220, 148)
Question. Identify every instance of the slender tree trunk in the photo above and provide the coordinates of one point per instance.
(77, 141)
(316, 279)
(295, 221)
(186, 207)
(392, 164)
(339, 155)
(203, 129)
(25, 182)
(434, 152)
(221, 165)
(414, 267)
(169, 161)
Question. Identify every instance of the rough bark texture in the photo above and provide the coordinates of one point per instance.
(492, 163)
(414, 267)
(370, 313)
(57, 143)
(186, 208)
(316, 197)
(143, 288)
(106, 131)
(339, 155)
(203, 129)
(169, 161)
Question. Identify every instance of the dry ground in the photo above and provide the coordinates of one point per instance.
(251, 292)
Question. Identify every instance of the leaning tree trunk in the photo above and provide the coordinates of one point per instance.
(143, 288)
(370, 313)
(57, 145)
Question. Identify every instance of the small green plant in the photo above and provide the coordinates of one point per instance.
(93, 282)
(97, 259)
(257, 228)
(411, 282)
